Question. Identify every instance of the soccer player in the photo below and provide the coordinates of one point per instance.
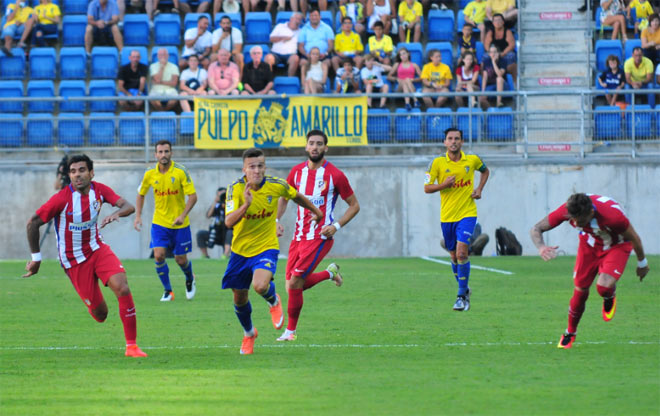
(170, 226)
(454, 173)
(321, 182)
(606, 239)
(86, 259)
(252, 210)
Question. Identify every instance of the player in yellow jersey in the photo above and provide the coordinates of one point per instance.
(251, 210)
(454, 174)
(170, 226)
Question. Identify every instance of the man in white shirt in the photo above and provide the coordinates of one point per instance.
(229, 38)
(284, 38)
(197, 42)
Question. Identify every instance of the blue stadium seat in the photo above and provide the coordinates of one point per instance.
(132, 130)
(599, 27)
(125, 53)
(42, 63)
(499, 124)
(13, 67)
(187, 124)
(605, 48)
(41, 89)
(416, 54)
(408, 124)
(630, 45)
(71, 129)
(167, 29)
(446, 50)
(480, 52)
(463, 3)
(246, 52)
(75, 7)
(105, 62)
(173, 50)
(441, 25)
(40, 132)
(463, 122)
(73, 29)
(73, 63)
(11, 89)
(102, 131)
(643, 122)
(379, 125)
(72, 89)
(136, 29)
(102, 88)
(437, 121)
(608, 122)
(190, 20)
(286, 85)
(162, 126)
(282, 17)
(236, 20)
(257, 27)
(11, 131)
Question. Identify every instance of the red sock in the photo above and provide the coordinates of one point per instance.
(606, 292)
(294, 307)
(576, 308)
(128, 319)
(315, 278)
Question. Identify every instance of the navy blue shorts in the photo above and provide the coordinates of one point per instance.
(179, 240)
(238, 274)
(458, 231)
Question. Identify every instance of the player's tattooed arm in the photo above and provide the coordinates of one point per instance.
(546, 252)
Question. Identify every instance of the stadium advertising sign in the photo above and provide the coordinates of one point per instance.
(278, 122)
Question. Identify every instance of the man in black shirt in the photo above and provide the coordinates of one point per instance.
(257, 75)
(131, 81)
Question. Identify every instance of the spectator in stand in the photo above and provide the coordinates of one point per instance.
(651, 39)
(347, 45)
(372, 79)
(45, 19)
(436, 77)
(643, 10)
(613, 14)
(410, 18)
(612, 78)
(405, 73)
(503, 38)
(475, 15)
(231, 39)
(383, 11)
(197, 41)
(224, 75)
(313, 74)
(19, 21)
(316, 33)
(507, 8)
(227, 6)
(182, 7)
(492, 72)
(355, 10)
(164, 79)
(132, 82)
(251, 5)
(284, 38)
(194, 81)
(465, 41)
(380, 45)
(639, 71)
(257, 76)
(102, 28)
(347, 79)
(467, 75)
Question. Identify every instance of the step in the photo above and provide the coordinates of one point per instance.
(551, 6)
(552, 69)
(539, 58)
(568, 41)
(554, 102)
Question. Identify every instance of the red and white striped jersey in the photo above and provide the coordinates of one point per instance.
(322, 186)
(75, 221)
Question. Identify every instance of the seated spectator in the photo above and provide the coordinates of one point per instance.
(475, 15)
(223, 75)
(18, 22)
(197, 41)
(194, 81)
(467, 75)
(410, 18)
(102, 28)
(507, 8)
(347, 79)
(355, 10)
(227, 6)
(639, 70)
(229, 38)
(613, 14)
(313, 74)
(383, 11)
(164, 79)
(132, 81)
(380, 45)
(182, 7)
(372, 78)
(436, 77)
(466, 42)
(612, 78)
(492, 72)
(46, 17)
(405, 73)
(643, 10)
(651, 39)
(347, 45)
(251, 5)
(284, 38)
(316, 33)
(257, 76)
(506, 43)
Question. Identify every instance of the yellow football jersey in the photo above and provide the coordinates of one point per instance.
(170, 190)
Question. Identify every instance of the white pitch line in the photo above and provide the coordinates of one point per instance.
(472, 266)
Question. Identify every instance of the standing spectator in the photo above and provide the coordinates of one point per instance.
(193, 81)
(224, 75)
(405, 73)
(18, 22)
(383, 11)
(467, 76)
(612, 78)
(46, 17)
(372, 78)
(132, 81)
(257, 76)
(164, 79)
(492, 72)
(503, 38)
(639, 70)
(347, 45)
(613, 15)
(102, 28)
(347, 79)
(651, 39)
(466, 42)
(316, 34)
(436, 77)
(380, 45)
(355, 10)
(198, 42)
(643, 10)
(229, 38)
(475, 15)
(410, 15)
(507, 8)
(217, 234)
(313, 74)
(284, 38)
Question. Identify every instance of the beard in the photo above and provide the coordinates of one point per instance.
(317, 158)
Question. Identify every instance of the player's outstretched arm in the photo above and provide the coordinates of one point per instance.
(301, 200)
(125, 209)
(33, 225)
(546, 252)
(139, 204)
(642, 263)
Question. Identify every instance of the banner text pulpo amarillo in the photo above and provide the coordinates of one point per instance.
(279, 122)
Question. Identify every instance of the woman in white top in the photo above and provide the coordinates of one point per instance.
(467, 75)
(314, 74)
(381, 10)
(613, 15)
(192, 82)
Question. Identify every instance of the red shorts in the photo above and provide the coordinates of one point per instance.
(590, 262)
(305, 255)
(101, 265)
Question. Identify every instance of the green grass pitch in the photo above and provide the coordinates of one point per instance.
(386, 343)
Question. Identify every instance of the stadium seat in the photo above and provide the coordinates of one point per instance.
(473, 131)
(630, 45)
(162, 126)
(102, 88)
(73, 29)
(643, 122)
(499, 124)
(11, 89)
(11, 131)
(379, 125)
(174, 54)
(105, 62)
(480, 51)
(187, 124)
(132, 130)
(236, 20)
(441, 25)
(167, 29)
(13, 67)
(408, 124)
(460, 22)
(282, 17)
(102, 131)
(136, 29)
(126, 52)
(599, 27)
(73, 63)
(246, 52)
(41, 89)
(463, 3)
(72, 89)
(286, 85)
(607, 122)
(71, 129)
(40, 132)
(416, 54)
(446, 51)
(437, 121)
(190, 20)
(42, 63)
(605, 48)
(257, 27)
(75, 7)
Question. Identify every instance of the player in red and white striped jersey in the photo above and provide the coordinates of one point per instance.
(606, 239)
(322, 183)
(83, 254)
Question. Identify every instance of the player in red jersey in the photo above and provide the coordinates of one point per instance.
(606, 240)
(83, 254)
(322, 183)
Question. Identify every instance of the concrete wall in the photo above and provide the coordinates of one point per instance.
(397, 218)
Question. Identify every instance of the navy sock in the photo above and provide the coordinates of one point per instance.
(244, 315)
(454, 268)
(187, 270)
(463, 278)
(164, 275)
(270, 295)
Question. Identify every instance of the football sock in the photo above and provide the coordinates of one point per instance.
(315, 278)
(164, 275)
(128, 318)
(606, 292)
(294, 307)
(244, 315)
(463, 277)
(187, 270)
(454, 268)
(576, 308)
(270, 295)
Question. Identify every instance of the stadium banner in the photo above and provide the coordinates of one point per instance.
(279, 122)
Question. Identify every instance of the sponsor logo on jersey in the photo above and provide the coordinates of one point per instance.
(96, 205)
(427, 178)
(462, 183)
(317, 200)
(82, 226)
(321, 184)
(172, 178)
(259, 215)
(166, 192)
